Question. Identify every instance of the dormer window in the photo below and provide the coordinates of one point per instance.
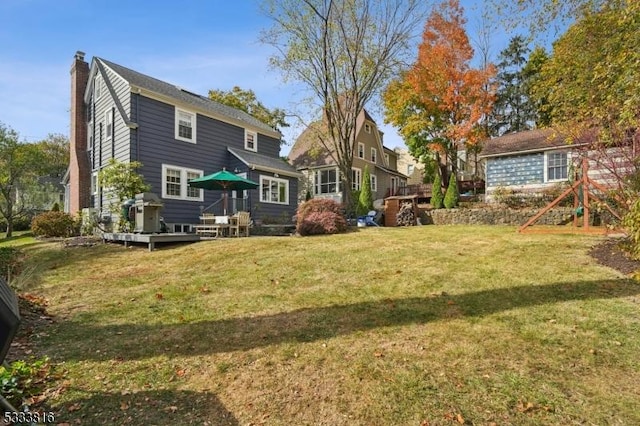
(185, 126)
(250, 140)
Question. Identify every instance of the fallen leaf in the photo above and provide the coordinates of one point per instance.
(124, 406)
(74, 407)
(378, 354)
(181, 372)
(460, 419)
(204, 290)
(159, 296)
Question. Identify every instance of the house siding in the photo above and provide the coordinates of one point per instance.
(515, 170)
(158, 146)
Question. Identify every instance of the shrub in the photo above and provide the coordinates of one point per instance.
(365, 200)
(452, 197)
(320, 216)
(55, 207)
(20, 223)
(436, 197)
(53, 224)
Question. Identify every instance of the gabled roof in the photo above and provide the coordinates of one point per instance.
(308, 151)
(529, 141)
(188, 99)
(254, 160)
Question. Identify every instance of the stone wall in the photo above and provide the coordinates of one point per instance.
(499, 216)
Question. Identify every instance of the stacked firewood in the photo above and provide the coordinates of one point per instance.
(406, 215)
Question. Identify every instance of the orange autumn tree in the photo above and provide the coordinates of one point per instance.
(438, 104)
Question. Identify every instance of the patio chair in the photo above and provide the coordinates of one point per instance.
(240, 224)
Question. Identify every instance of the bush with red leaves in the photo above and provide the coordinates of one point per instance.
(320, 216)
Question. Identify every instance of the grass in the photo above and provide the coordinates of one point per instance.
(386, 326)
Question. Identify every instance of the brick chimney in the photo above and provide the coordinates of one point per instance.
(79, 171)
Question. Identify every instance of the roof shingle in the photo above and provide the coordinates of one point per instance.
(185, 97)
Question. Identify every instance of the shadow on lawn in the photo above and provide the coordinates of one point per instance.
(135, 341)
(163, 407)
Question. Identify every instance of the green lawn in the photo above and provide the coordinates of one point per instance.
(386, 326)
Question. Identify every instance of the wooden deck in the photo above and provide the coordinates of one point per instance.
(150, 239)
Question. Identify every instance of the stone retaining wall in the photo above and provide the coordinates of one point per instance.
(498, 216)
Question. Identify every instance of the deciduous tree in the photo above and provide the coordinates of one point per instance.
(439, 102)
(122, 182)
(246, 100)
(19, 163)
(343, 52)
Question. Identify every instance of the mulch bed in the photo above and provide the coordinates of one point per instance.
(611, 253)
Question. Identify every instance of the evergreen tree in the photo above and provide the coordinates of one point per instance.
(513, 111)
(451, 197)
(436, 191)
(365, 201)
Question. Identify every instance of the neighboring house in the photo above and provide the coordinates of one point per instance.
(525, 162)
(410, 166)
(322, 176)
(177, 136)
(530, 161)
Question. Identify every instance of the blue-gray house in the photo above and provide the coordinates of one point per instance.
(526, 162)
(177, 135)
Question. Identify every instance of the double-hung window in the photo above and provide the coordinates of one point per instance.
(374, 183)
(250, 141)
(175, 183)
(97, 88)
(557, 166)
(356, 178)
(185, 126)
(360, 150)
(374, 155)
(326, 181)
(274, 190)
(108, 120)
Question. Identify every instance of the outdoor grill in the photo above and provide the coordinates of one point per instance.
(148, 207)
(9, 317)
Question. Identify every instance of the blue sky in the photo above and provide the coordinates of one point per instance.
(196, 44)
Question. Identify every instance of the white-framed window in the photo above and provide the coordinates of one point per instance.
(356, 178)
(556, 167)
(250, 140)
(175, 183)
(374, 183)
(94, 183)
(367, 127)
(326, 181)
(90, 131)
(360, 150)
(108, 120)
(386, 158)
(410, 169)
(274, 190)
(185, 125)
(97, 88)
(374, 155)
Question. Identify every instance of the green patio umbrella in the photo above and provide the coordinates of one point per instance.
(224, 181)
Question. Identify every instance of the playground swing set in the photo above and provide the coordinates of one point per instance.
(582, 198)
